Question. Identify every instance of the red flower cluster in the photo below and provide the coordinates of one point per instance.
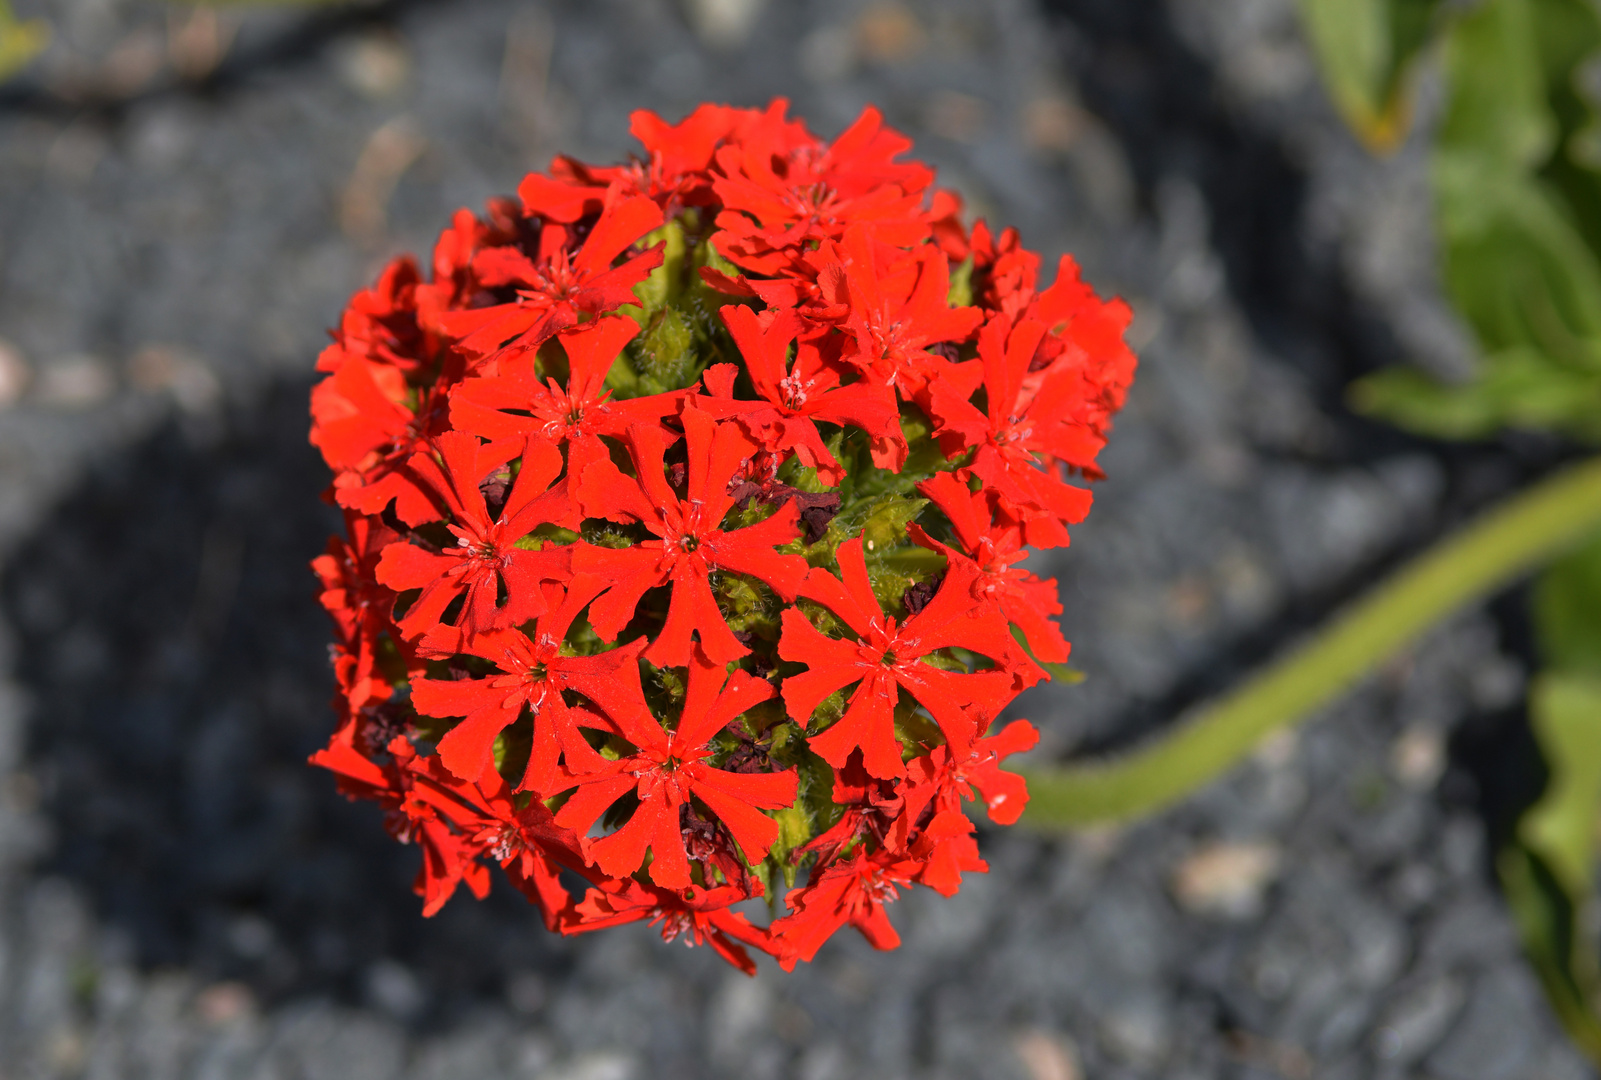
(684, 502)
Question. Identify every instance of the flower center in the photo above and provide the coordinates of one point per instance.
(677, 923)
(879, 888)
(506, 843)
(484, 550)
(794, 391)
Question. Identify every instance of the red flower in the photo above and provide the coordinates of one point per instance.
(937, 785)
(359, 607)
(367, 431)
(1083, 358)
(702, 914)
(1018, 444)
(449, 857)
(368, 417)
(992, 548)
(950, 773)
(691, 542)
(896, 317)
(533, 674)
(486, 560)
(667, 770)
(674, 171)
(888, 656)
(1004, 271)
(454, 286)
(874, 809)
(380, 325)
(793, 397)
(945, 850)
(462, 821)
(514, 403)
(566, 276)
(781, 195)
(852, 892)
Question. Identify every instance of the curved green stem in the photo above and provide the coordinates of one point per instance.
(1502, 546)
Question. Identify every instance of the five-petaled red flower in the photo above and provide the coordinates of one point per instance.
(1018, 444)
(690, 542)
(567, 275)
(888, 656)
(516, 402)
(795, 396)
(498, 579)
(533, 675)
(993, 549)
(667, 770)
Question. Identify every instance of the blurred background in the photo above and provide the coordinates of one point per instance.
(188, 196)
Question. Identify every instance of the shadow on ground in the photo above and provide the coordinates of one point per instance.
(172, 644)
(1174, 122)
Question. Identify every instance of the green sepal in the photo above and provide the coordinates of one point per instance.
(1060, 673)
(961, 291)
(880, 521)
(665, 284)
(664, 355)
(1518, 388)
(794, 830)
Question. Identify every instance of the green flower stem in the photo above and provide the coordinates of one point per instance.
(1502, 546)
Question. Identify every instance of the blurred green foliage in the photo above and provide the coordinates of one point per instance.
(1368, 50)
(20, 41)
(1516, 176)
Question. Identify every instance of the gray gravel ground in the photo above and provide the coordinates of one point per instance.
(181, 897)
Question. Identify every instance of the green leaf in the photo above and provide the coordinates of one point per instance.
(1521, 388)
(1367, 50)
(20, 41)
(885, 527)
(1544, 915)
(794, 830)
(1517, 267)
(1567, 612)
(1519, 219)
(1547, 870)
(1408, 398)
(880, 521)
(1565, 712)
(1498, 84)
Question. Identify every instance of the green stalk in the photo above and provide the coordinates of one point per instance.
(1486, 556)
